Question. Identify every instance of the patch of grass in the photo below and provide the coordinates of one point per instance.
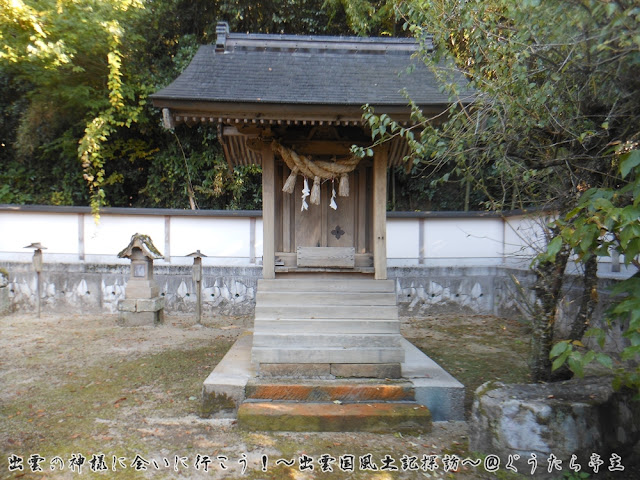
(477, 350)
(133, 403)
(81, 413)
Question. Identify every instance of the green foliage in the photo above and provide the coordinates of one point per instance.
(74, 79)
(606, 220)
(70, 54)
(194, 160)
(575, 475)
(367, 17)
(549, 117)
(542, 105)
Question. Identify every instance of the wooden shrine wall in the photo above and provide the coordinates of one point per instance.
(350, 225)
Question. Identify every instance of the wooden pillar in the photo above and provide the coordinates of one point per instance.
(167, 238)
(81, 236)
(268, 213)
(380, 160)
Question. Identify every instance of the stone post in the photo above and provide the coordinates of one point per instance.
(37, 266)
(4, 292)
(197, 279)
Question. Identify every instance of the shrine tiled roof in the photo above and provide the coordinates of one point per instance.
(305, 70)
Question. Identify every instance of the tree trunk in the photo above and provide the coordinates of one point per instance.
(548, 288)
(583, 318)
(467, 193)
(589, 299)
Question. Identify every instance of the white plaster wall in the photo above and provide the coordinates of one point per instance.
(218, 238)
(227, 240)
(113, 234)
(524, 236)
(403, 238)
(478, 238)
(56, 231)
(259, 243)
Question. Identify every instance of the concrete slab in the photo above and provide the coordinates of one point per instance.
(224, 389)
(140, 319)
(435, 388)
(366, 370)
(327, 355)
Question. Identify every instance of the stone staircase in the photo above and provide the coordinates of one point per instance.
(312, 338)
(335, 327)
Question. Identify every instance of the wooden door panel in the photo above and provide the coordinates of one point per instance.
(308, 224)
(341, 223)
(318, 225)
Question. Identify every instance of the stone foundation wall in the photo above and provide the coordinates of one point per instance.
(230, 290)
(95, 289)
(437, 290)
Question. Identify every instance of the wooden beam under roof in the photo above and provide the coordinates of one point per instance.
(322, 147)
(238, 152)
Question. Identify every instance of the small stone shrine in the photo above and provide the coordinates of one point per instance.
(143, 304)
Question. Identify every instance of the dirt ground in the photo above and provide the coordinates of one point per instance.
(127, 400)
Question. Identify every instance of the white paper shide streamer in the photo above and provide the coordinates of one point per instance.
(305, 194)
(333, 197)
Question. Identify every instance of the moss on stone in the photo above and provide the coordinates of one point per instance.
(213, 403)
(487, 387)
(407, 418)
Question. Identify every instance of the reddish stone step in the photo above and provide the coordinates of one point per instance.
(332, 417)
(330, 391)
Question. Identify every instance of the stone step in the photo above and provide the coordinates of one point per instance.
(283, 354)
(321, 298)
(299, 371)
(326, 285)
(387, 417)
(330, 390)
(315, 341)
(337, 321)
(349, 312)
(326, 325)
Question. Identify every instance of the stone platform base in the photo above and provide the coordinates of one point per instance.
(138, 312)
(235, 382)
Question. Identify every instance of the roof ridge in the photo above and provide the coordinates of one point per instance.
(227, 41)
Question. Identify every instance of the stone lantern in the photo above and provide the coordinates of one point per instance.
(142, 304)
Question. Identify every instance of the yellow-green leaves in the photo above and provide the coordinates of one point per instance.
(629, 161)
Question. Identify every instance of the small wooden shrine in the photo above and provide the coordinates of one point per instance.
(293, 105)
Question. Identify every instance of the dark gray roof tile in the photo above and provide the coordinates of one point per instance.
(330, 76)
